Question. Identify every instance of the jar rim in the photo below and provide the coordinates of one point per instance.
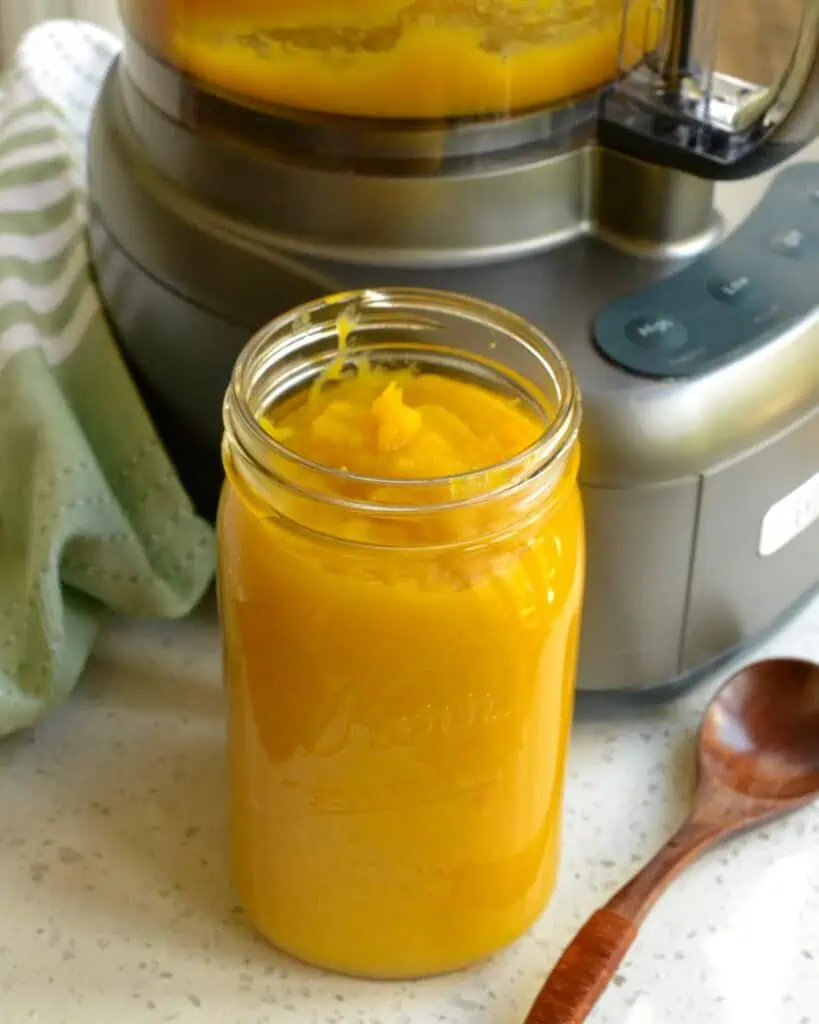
(243, 422)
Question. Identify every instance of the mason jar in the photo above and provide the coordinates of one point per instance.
(400, 654)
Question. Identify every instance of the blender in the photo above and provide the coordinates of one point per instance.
(558, 157)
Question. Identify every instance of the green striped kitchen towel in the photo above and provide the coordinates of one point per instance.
(92, 516)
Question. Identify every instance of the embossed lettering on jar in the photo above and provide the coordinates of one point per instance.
(400, 650)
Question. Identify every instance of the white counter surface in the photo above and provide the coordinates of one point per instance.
(115, 904)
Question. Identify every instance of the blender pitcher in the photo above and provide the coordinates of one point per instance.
(674, 108)
(396, 59)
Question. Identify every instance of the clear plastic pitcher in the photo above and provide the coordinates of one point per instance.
(399, 59)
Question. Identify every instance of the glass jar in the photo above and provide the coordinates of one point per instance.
(398, 58)
(400, 653)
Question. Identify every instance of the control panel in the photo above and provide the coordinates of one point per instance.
(750, 288)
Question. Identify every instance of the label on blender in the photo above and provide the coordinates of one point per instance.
(790, 517)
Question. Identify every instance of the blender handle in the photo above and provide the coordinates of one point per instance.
(644, 114)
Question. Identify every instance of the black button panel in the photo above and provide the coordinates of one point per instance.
(732, 299)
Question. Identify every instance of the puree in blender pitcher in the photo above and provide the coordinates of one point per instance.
(401, 58)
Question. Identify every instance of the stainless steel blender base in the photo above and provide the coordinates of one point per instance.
(679, 474)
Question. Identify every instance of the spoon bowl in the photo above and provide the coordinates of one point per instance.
(760, 735)
(758, 760)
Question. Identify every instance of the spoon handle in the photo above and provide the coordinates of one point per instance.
(584, 971)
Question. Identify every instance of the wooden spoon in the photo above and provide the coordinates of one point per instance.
(758, 760)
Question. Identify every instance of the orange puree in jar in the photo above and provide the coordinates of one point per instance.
(400, 58)
(400, 654)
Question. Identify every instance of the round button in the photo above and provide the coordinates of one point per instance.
(791, 243)
(657, 330)
(733, 289)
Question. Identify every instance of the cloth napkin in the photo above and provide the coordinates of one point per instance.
(93, 519)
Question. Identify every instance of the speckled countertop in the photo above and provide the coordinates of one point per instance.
(115, 905)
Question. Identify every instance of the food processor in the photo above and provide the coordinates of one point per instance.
(581, 162)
